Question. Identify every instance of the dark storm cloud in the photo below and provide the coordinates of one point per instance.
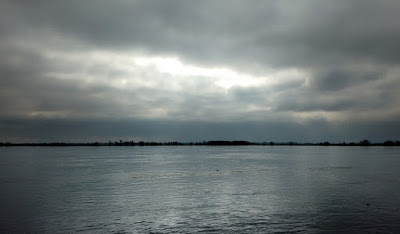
(50, 130)
(341, 79)
(68, 61)
(278, 32)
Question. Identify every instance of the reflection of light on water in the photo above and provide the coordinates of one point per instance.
(166, 175)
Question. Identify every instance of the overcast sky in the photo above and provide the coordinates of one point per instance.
(305, 71)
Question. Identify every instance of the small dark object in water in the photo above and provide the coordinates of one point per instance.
(367, 204)
(217, 170)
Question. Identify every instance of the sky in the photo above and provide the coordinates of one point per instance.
(188, 70)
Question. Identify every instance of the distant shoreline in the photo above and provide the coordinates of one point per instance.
(204, 143)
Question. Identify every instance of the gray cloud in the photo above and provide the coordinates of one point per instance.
(279, 33)
(333, 62)
(340, 79)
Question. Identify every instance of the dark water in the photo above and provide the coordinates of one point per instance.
(200, 189)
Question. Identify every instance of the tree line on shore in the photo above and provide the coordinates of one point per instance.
(208, 143)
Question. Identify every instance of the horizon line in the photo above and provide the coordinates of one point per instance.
(204, 143)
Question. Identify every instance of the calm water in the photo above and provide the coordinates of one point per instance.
(200, 189)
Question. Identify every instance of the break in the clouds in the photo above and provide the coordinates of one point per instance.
(195, 70)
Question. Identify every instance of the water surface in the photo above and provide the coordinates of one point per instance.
(200, 189)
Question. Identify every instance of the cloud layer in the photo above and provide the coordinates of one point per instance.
(327, 69)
